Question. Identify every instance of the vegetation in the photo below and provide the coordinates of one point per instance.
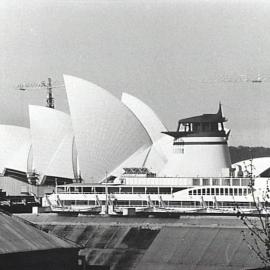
(243, 152)
(258, 224)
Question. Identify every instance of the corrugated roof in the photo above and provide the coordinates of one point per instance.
(198, 249)
(191, 242)
(17, 236)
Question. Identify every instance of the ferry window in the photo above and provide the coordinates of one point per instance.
(235, 191)
(176, 203)
(203, 191)
(60, 189)
(226, 182)
(156, 203)
(144, 203)
(217, 191)
(152, 190)
(81, 202)
(228, 204)
(136, 203)
(127, 190)
(245, 182)
(236, 182)
(87, 189)
(221, 191)
(249, 191)
(208, 191)
(187, 203)
(165, 190)
(72, 202)
(215, 182)
(71, 189)
(245, 192)
(210, 203)
(196, 181)
(199, 192)
(177, 189)
(195, 192)
(123, 203)
(140, 190)
(212, 191)
(166, 203)
(244, 204)
(66, 202)
(240, 192)
(206, 181)
(197, 203)
(190, 192)
(231, 191)
(91, 202)
(226, 191)
(113, 190)
(78, 189)
(100, 189)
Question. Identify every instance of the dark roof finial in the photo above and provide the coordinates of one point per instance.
(219, 109)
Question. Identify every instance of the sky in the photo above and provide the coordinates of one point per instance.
(173, 55)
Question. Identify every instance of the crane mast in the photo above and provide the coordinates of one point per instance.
(43, 84)
(50, 99)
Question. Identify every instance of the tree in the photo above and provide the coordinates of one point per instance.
(257, 224)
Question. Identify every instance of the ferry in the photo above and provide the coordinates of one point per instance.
(198, 177)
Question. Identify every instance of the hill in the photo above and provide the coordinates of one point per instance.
(244, 152)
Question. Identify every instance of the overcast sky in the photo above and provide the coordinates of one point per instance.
(170, 54)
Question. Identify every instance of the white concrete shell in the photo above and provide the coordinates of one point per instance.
(106, 131)
(15, 145)
(138, 160)
(158, 154)
(52, 136)
(146, 116)
(259, 165)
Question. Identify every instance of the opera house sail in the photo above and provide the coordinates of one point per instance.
(52, 143)
(106, 132)
(16, 143)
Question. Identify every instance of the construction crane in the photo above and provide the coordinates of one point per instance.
(43, 84)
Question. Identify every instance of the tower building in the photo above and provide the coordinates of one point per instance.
(199, 147)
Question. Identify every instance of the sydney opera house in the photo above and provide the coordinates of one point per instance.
(102, 136)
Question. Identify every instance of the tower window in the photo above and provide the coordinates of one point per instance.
(178, 146)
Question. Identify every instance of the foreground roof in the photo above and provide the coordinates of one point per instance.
(191, 242)
(17, 236)
(199, 249)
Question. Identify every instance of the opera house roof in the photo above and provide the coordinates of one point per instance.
(101, 135)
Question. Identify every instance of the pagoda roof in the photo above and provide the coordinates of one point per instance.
(205, 118)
